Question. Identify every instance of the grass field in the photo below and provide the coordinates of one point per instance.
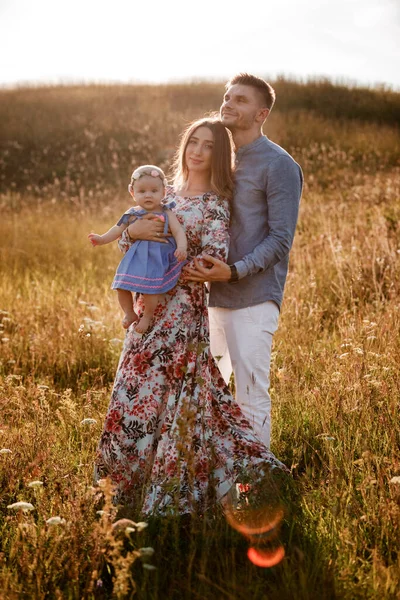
(65, 159)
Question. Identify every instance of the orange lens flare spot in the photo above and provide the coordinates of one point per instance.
(263, 558)
(254, 523)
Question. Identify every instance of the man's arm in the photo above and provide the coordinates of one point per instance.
(283, 191)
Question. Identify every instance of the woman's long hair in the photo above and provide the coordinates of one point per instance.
(221, 161)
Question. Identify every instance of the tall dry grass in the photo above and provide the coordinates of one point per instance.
(335, 373)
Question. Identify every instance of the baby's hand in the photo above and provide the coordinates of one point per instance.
(95, 239)
(180, 254)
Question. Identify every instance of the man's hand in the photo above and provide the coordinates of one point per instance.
(216, 270)
(150, 228)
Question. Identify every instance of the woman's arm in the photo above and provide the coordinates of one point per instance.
(110, 236)
(179, 236)
(211, 264)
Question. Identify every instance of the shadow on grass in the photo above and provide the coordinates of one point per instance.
(201, 558)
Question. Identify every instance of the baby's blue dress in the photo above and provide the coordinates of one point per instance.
(148, 267)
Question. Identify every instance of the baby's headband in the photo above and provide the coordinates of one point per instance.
(151, 171)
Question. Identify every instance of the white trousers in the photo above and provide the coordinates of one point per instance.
(241, 340)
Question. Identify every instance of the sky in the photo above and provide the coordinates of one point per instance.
(53, 41)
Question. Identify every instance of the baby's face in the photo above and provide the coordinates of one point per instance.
(148, 192)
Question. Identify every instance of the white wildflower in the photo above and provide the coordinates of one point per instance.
(5, 340)
(93, 308)
(129, 530)
(55, 521)
(395, 480)
(82, 302)
(88, 421)
(43, 387)
(5, 451)
(101, 512)
(146, 551)
(343, 355)
(122, 524)
(149, 567)
(141, 525)
(35, 484)
(25, 506)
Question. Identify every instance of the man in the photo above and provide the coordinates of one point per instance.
(246, 294)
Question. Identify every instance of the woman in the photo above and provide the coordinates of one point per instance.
(174, 438)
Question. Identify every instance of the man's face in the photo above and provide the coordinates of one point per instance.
(241, 108)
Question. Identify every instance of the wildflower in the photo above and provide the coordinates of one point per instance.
(55, 521)
(25, 506)
(93, 308)
(5, 451)
(343, 355)
(129, 530)
(101, 512)
(35, 484)
(146, 551)
(5, 340)
(149, 567)
(43, 387)
(358, 350)
(115, 341)
(82, 302)
(122, 524)
(141, 525)
(88, 421)
(395, 480)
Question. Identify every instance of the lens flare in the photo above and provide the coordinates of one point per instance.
(264, 558)
(256, 512)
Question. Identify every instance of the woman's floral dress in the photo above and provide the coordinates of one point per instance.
(174, 438)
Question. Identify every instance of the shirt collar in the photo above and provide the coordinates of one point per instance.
(243, 149)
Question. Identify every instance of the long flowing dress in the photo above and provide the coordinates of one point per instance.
(174, 438)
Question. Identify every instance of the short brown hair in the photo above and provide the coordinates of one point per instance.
(266, 90)
(221, 162)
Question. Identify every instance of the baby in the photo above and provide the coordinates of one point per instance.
(151, 268)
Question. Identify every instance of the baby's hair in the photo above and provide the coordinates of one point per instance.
(150, 170)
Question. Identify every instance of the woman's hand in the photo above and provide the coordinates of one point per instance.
(149, 228)
(216, 270)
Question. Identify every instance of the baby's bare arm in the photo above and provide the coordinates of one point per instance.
(110, 236)
(179, 236)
